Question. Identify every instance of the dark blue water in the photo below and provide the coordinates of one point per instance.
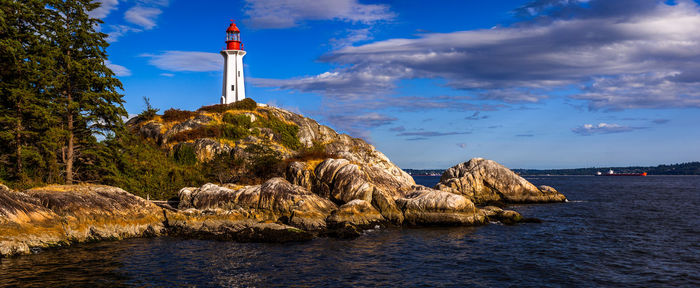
(615, 232)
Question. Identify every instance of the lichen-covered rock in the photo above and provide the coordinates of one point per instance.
(189, 124)
(357, 212)
(275, 200)
(485, 181)
(426, 206)
(95, 212)
(25, 224)
(59, 215)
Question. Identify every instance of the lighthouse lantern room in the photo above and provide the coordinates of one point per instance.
(234, 87)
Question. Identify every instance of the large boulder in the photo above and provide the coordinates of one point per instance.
(274, 200)
(357, 212)
(485, 181)
(425, 206)
(343, 181)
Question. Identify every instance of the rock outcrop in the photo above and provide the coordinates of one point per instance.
(226, 225)
(485, 181)
(426, 206)
(359, 213)
(274, 200)
(60, 215)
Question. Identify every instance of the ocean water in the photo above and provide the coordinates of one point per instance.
(614, 232)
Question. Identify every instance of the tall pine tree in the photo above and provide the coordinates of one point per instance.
(25, 109)
(84, 86)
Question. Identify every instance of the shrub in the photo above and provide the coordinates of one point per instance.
(265, 163)
(245, 104)
(150, 112)
(237, 119)
(172, 115)
(287, 133)
(209, 131)
(185, 155)
(315, 152)
(233, 132)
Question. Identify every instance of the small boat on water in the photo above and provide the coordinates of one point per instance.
(612, 173)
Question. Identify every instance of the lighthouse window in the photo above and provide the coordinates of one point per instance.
(233, 87)
(239, 73)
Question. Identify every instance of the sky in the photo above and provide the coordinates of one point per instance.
(529, 84)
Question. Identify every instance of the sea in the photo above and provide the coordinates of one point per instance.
(613, 232)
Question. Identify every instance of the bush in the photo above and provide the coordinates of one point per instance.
(185, 155)
(287, 133)
(209, 131)
(176, 115)
(233, 132)
(315, 152)
(150, 112)
(238, 119)
(265, 163)
(245, 104)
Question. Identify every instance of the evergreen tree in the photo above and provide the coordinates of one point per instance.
(83, 86)
(25, 110)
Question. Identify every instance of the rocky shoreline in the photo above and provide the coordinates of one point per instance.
(336, 199)
(343, 187)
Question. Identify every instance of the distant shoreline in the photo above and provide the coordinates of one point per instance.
(686, 169)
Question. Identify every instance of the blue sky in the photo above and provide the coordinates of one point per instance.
(530, 84)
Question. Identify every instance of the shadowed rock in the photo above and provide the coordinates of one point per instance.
(230, 225)
(485, 181)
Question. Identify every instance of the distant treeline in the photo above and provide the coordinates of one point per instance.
(689, 168)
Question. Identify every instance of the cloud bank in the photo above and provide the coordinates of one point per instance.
(278, 14)
(621, 55)
(602, 128)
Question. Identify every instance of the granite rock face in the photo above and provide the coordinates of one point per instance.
(274, 200)
(357, 212)
(485, 181)
(425, 206)
(60, 215)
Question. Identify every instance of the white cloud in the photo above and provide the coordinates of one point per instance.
(192, 61)
(119, 31)
(142, 16)
(290, 13)
(167, 74)
(106, 7)
(642, 56)
(603, 128)
(118, 70)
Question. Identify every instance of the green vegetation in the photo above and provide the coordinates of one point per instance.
(287, 133)
(176, 115)
(245, 104)
(58, 98)
(57, 93)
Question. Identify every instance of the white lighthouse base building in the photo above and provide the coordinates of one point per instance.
(234, 87)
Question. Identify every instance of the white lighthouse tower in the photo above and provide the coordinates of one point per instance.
(234, 87)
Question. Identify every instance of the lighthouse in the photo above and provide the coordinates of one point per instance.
(234, 87)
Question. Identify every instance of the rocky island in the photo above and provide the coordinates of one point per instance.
(274, 176)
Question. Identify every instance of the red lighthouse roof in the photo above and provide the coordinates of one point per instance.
(233, 28)
(233, 37)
